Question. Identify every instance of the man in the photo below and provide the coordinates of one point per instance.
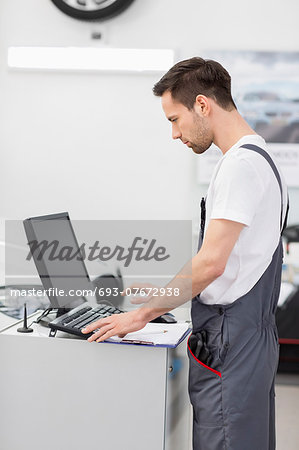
(233, 349)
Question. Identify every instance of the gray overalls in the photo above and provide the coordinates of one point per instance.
(232, 391)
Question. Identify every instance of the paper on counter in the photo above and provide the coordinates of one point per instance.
(156, 334)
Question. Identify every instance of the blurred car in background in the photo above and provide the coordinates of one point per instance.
(273, 116)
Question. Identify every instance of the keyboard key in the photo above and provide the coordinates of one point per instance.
(80, 312)
(84, 323)
(100, 309)
(79, 319)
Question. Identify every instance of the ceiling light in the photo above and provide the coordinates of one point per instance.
(90, 59)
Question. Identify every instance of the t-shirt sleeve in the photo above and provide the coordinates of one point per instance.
(238, 191)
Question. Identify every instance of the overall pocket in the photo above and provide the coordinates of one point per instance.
(205, 391)
(206, 355)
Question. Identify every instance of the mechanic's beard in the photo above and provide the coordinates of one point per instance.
(202, 138)
(199, 149)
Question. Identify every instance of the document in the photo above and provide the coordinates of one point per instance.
(161, 334)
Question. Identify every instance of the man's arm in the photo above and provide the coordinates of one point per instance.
(207, 266)
(209, 263)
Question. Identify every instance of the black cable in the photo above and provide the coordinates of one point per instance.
(45, 313)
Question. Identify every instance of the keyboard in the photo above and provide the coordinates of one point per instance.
(78, 318)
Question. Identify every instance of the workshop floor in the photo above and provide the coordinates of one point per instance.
(287, 411)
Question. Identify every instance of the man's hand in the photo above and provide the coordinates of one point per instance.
(116, 325)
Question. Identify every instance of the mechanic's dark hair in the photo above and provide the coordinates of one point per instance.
(188, 78)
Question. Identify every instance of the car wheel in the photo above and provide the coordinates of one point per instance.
(92, 9)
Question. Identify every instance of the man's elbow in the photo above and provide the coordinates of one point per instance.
(214, 268)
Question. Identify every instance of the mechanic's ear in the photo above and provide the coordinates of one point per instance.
(202, 105)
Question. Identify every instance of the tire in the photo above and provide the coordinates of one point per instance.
(93, 9)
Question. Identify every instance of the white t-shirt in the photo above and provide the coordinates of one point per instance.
(244, 189)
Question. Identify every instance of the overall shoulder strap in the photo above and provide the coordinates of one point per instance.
(266, 155)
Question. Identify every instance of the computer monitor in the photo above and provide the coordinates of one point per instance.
(51, 239)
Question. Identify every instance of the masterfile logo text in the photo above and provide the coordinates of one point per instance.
(140, 250)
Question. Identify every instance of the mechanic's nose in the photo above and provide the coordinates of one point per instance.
(176, 134)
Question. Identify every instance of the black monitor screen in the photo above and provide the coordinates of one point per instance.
(56, 253)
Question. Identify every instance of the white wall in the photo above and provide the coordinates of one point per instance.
(98, 145)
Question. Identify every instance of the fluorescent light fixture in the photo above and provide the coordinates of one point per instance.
(90, 58)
